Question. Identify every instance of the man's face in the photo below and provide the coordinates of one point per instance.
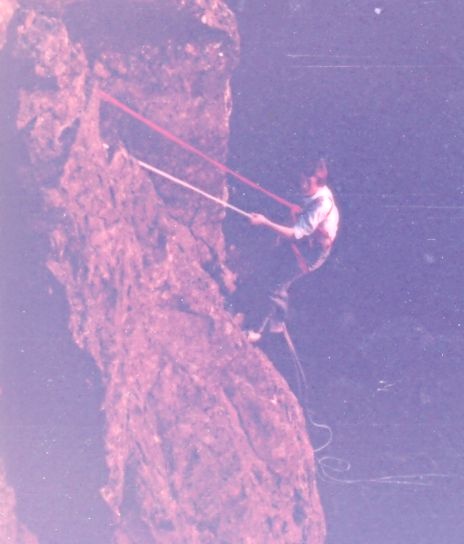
(308, 184)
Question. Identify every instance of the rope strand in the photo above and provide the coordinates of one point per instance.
(182, 143)
(193, 188)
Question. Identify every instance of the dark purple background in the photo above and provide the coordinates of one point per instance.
(380, 328)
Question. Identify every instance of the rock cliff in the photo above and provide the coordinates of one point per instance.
(204, 442)
(11, 530)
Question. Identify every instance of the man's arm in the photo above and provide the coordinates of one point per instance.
(312, 217)
(282, 230)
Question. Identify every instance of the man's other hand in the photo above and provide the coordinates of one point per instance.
(258, 219)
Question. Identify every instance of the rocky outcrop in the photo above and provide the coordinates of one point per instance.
(205, 443)
(6, 13)
(11, 530)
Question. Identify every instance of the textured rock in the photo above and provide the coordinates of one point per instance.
(11, 531)
(7, 10)
(204, 441)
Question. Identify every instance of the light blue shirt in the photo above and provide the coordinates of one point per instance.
(319, 212)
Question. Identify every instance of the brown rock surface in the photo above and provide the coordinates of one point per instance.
(204, 441)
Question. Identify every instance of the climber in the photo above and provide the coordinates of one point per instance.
(311, 235)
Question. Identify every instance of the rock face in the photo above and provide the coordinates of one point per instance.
(204, 441)
(10, 529)
(6, 13)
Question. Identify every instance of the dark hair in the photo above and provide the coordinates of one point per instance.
(308, 165)
(315, 166)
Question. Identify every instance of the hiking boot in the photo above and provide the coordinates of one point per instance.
(253, 336)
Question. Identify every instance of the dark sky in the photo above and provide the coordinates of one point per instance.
(378, 88)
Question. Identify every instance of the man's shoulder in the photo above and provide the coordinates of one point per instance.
(322, 197)
(325, 192)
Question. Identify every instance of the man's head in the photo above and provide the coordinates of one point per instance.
(312, 176)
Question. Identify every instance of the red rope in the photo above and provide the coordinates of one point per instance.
(108, 98)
